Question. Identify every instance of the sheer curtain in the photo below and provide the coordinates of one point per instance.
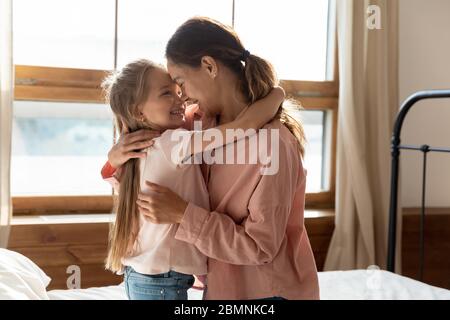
(6, 99)
(368, 103)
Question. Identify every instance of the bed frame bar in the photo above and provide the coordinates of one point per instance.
(395, 153)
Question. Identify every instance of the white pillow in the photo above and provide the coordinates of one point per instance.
(21, 278)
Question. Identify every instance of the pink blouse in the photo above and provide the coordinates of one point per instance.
(255, 237)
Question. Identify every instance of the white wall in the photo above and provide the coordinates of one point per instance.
(424, 63)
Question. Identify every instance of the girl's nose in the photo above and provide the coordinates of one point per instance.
(180, 100)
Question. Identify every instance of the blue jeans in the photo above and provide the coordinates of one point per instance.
(171, 285)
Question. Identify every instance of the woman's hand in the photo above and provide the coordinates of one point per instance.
(130, 146)
(161, 205)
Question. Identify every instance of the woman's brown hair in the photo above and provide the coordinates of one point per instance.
(201, 36)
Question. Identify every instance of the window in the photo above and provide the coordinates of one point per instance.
(145, 26)
(315, 125)
(63, 49)
(292, 35)
(67, 33)
(58, 148)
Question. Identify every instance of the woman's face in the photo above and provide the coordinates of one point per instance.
(197, 85)
(164, 108)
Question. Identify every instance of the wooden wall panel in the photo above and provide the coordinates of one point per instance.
(54, 247)
(320, 231)
(437, 248)
(58, 234)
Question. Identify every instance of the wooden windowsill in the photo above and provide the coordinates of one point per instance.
(318, 213)
(63, 219)
(108, 217)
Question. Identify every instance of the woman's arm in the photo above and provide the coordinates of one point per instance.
(128, 146)
(125, 147)
(258, 113)
(253, 117)
(254, 241)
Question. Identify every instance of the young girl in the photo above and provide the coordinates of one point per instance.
(143, 96)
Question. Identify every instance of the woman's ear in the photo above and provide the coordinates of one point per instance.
(210, 65)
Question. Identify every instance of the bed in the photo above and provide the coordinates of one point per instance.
(21, 278)
(334, 285)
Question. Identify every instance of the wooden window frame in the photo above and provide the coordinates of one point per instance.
(53, 84)
(319, 96)
(58, 84)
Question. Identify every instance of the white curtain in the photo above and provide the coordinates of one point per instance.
(368, 104)
(6, 99)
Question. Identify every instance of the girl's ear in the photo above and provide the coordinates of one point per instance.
(140, 117)
(210, 65)
(137, 114)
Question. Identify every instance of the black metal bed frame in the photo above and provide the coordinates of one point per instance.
(395, 153)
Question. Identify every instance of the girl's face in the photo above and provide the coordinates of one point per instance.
(164, 108)
(197, 85)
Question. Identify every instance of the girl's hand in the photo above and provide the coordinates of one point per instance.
(130, 146)
(161, 205)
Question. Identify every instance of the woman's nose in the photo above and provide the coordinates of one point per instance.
(183, 96)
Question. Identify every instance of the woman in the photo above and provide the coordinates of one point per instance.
(254, 235)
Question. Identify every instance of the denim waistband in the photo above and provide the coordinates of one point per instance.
(168, 274)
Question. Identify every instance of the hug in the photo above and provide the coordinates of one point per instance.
(226, 228)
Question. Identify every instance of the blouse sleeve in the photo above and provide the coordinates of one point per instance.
(257, 239)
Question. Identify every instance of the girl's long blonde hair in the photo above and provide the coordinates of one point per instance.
(125, 91)
(202, 36)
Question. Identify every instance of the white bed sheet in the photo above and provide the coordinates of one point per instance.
(375, 285)
(345, 285)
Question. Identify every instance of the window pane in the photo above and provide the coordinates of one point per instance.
(146, 26)
(59, 148)
(313, 124)
(65, 33)
(292, 35)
